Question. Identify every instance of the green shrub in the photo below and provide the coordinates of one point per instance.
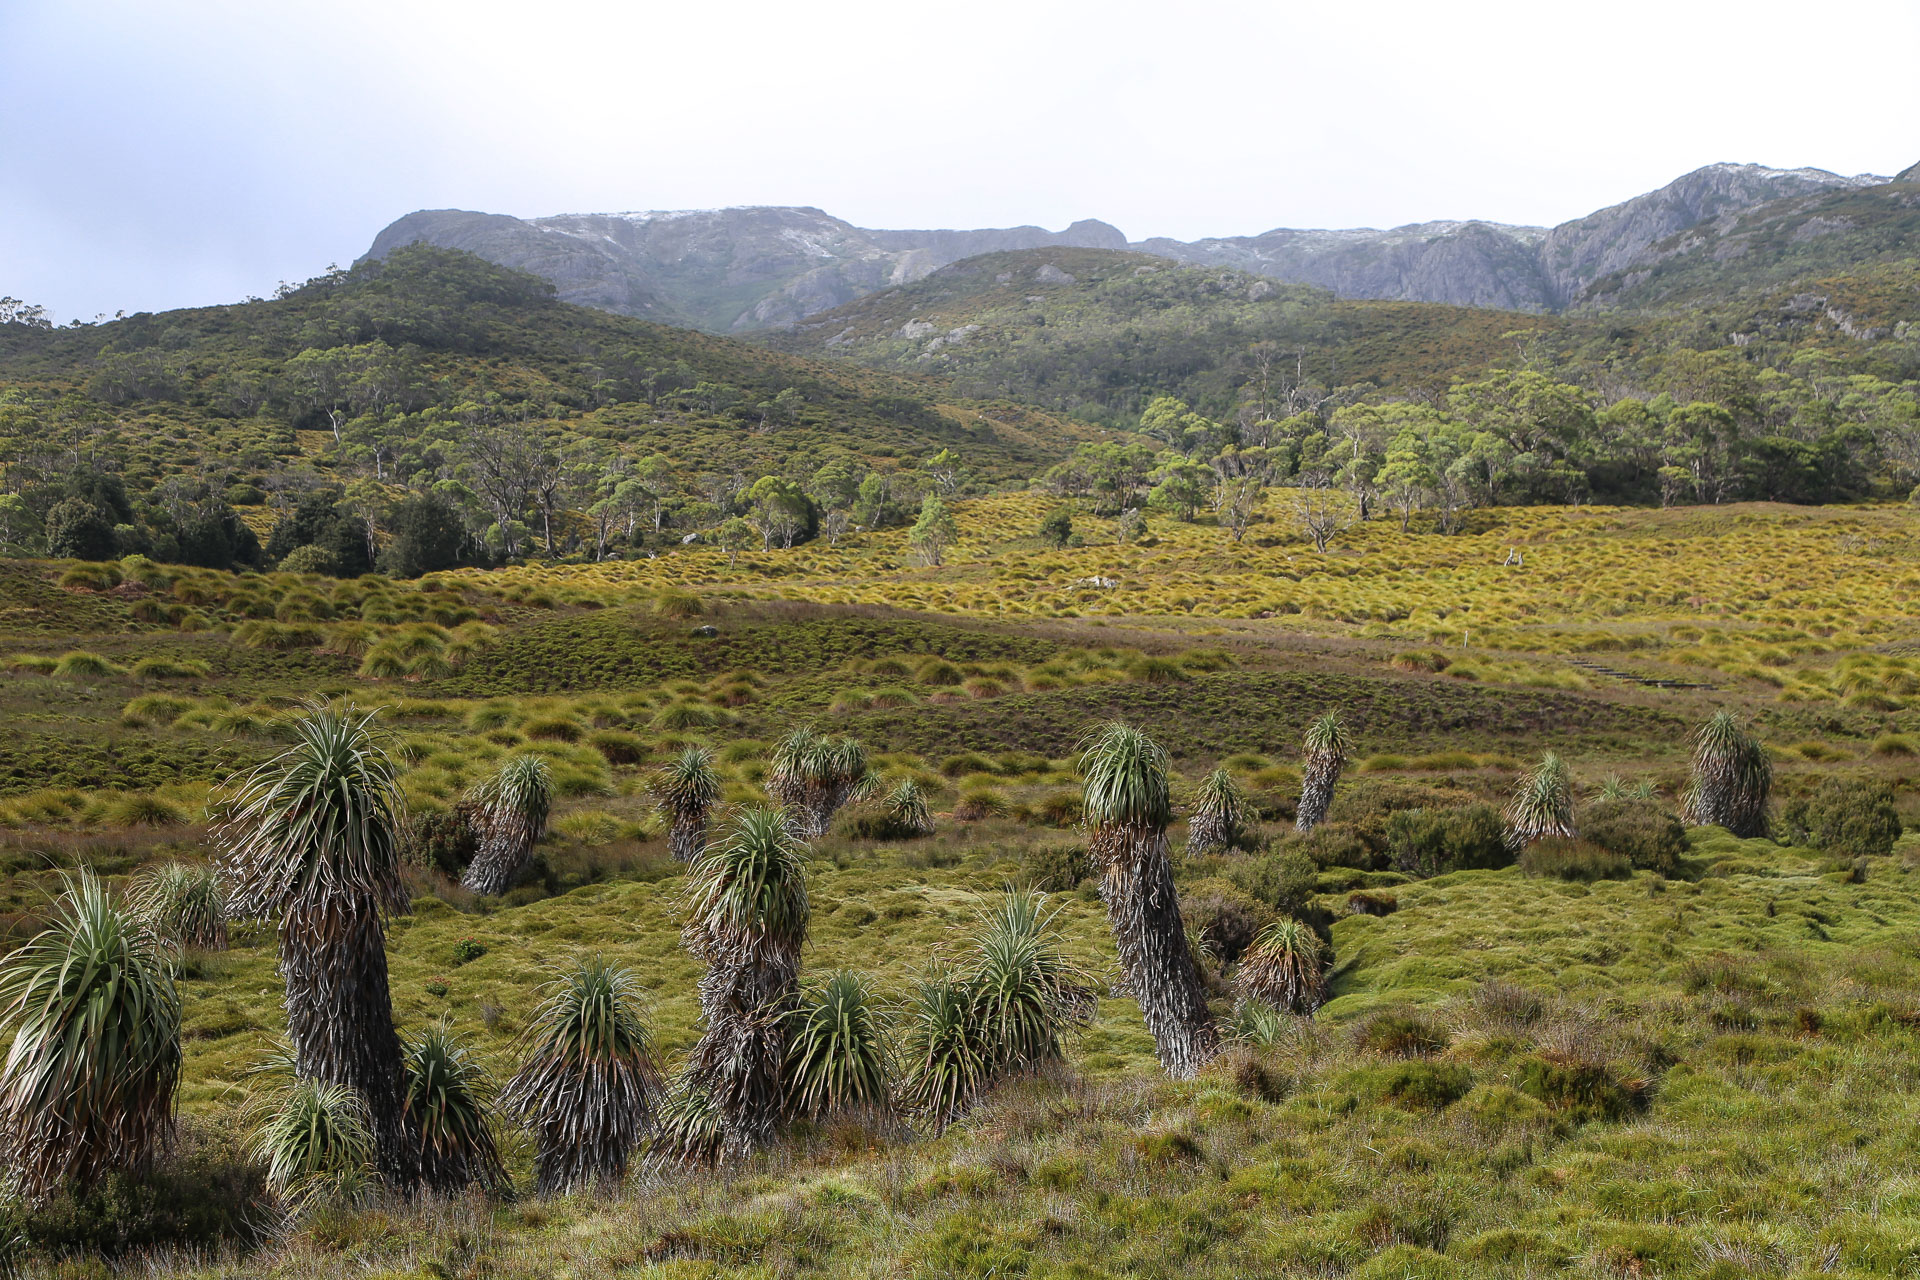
(442, 840)
(618, 747)
(466, 950)
(1225, 915)
(1283, 880)
(1421, 1085)
(1846, 817)
(1399, 1033)
(1641, 831)
(1573, 860)
(1578, 1088)
(1055, 868)
(206, 1196)
(1433, 842)
(1340, 844)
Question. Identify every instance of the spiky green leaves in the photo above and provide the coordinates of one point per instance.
(185, 904)
(1006, 1007)
(313, 828)
(451, 1105)
(509, 814)
(685, 789)
(908, 812)
(1285, 968)
(1328, 748)
(837, 1055)
(315, 1140)
(747, 892)
(1732, 780)
(816, 776)
(1124, 775)
(1128, 804)
(88, 1087)
(588, 1087)
(1218, 808)
(1542, 804)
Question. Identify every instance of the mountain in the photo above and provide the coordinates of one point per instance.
(731, 270)
(722, 270)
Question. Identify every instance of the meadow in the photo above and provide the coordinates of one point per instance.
(1694, 1063)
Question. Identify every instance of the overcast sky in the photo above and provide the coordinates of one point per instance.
(165, 153)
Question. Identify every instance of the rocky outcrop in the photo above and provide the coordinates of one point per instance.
(727, 270)
(718, 269)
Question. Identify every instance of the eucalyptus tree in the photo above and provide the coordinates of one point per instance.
(746, 917)
(1128, 804)
(310, 839)
(1219, 807)
(509, 814)
(1329, 747)
(1732, 778)
(686, 789)
(590, 1085)
(88, 1086)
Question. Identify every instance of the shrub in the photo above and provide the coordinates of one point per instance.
(1225, 915)
(1641, 831)
(1283, 880)
(443, 840)
(618, 747)
(1399, 1033)
(1419, 1085)
(1573, 859)
(1846, 817)
(1055, 868)
(1434, 842)
(1579, 1088)
(1057, 809)
(467, 950)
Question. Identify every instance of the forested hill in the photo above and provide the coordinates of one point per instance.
(422, 370)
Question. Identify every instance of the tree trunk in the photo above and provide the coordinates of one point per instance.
(1316, 792)
(503, 855)
(340, 1019)
(688, 835)
(1136, 882)
(740, 1060)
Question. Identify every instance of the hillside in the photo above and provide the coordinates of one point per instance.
(433, 368)
(729, 270)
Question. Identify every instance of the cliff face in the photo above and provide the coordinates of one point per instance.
(727, 270)
(718, 269)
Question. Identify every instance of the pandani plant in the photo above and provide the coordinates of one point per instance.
(1218, 809)
(1285, 968)
(185, 904)
(837, 1053)
(1732, 779)
(816, 776)
(309, 839)
(746, 917)
(1128, 804)
(450, 1103)
(1542, 804)
(313, 1137)
(589, 1085)
(685, 790)
(908, 813)
(88, 1086)
(1328, 748)
(509, 813)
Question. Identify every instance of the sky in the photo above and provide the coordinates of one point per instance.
(167, 153)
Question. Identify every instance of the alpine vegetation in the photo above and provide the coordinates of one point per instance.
(589, 1087)
(1328, 749)
(908, 814)
(184, 903)
(1218, 809)
(1542, 804)
(88, 1087)
(837, 1054)
(1285, 968)
(313, 1139)
(449, 1102)
(945, 1059)
(509, 813)
(815, 776)
(1732, 779)
(1128, 805)
(686, 789)
(747, 916)
(309, 839)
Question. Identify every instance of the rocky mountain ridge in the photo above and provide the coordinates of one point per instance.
(731, 270)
